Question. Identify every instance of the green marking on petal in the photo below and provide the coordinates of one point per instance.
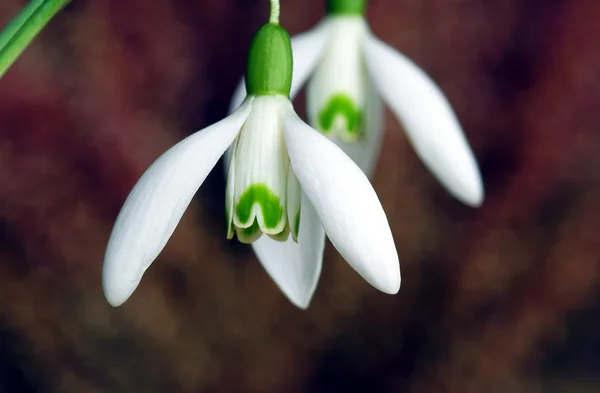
(229, 223)
(269, 202)
(281, 236)
(296, 227)
(250, 234)
(341, 105)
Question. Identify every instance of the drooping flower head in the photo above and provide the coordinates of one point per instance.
(284, 178)
(350, 72)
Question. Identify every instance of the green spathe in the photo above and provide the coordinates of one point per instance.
(346, 7)
(270, 62)
(341, 105)
(269, 202)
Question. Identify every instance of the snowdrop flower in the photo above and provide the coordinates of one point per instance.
(350, 71)
(288, 186)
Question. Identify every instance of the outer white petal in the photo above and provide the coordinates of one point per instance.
(238, 96)
(346, 203)
(307, 49)
(295, 267)
(157, 202)
(428, 119)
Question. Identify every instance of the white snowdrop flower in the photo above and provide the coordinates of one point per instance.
(350, 72)
(285, 181)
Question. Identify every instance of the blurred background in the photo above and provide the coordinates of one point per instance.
(504, 298)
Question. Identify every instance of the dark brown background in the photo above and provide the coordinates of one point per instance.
(500, 299)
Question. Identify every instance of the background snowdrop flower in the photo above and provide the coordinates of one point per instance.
(284, 178)
(350, 71)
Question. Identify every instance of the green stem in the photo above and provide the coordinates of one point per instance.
(19, 33)
(274, 12)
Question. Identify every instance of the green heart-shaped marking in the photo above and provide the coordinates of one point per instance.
(269, 202)
(341, 105)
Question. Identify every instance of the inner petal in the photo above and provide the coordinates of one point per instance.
(342, 116)
(336, 94)
(261, 165)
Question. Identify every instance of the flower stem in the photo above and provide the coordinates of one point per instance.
(19, 33)
(274, 12)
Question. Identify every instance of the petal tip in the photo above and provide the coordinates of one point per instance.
(113, 300)
(474, 195)
(390, 284)
(384, 277)
(117, 289)
(115, 296)
(475, 201)
(302, 302)
(299, 297)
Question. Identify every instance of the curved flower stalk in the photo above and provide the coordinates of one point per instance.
(287, 187)
(350, 72)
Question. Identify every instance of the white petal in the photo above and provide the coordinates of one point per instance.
(306, 49)
(428, 119)
(346, 203)
(238, 96)
(295, 267)
(157, 202)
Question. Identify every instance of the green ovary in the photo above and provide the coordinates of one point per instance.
(269, 202)
(341, 105)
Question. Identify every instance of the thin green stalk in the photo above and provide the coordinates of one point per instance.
(274, 12)
(19, 33)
